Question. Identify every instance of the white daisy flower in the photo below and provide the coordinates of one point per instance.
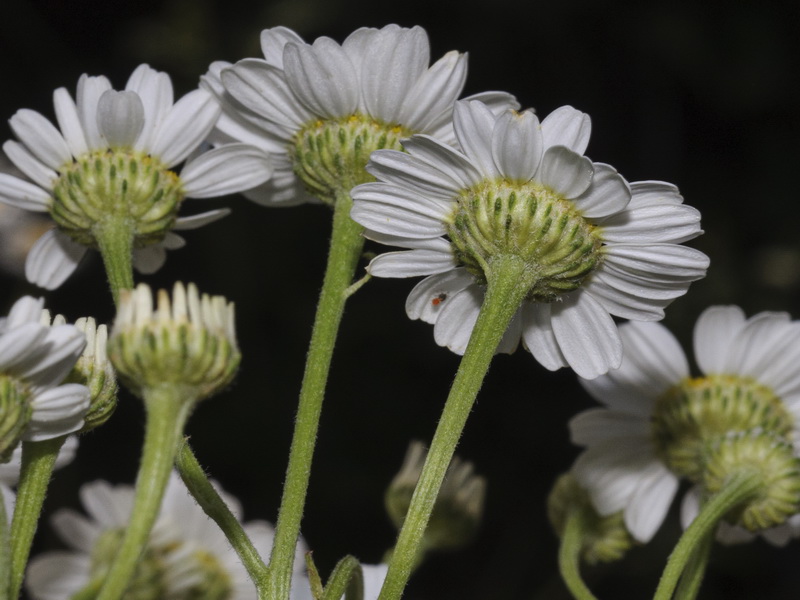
(658, 418)
(187, 556)
(516, 187)
(112, 156)
(373, 89)
(34, 360)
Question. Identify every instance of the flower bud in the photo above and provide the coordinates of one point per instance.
(605, 539)
(188, 342)
(459, 505)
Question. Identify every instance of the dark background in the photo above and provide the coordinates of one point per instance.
(703, 95)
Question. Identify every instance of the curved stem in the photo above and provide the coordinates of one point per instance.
(346, 580)
(508, 284)
(167, 410)
(345, 251)
(114, 237)
(692, 578)
(38, 460)
(569, 555)
(214, 506)
(738, 489)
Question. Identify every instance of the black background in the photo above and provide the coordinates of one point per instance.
(703, 95)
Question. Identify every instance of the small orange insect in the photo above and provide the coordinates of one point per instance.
(437, 300)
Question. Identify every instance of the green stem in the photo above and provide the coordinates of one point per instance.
(738, 489)
(508, 283)
(346, 580)
(344, 253)
(209, 500)
(167, 409)
(569, 555)
(38, 461)
(692, 578)
(5, 549)
(114, 238)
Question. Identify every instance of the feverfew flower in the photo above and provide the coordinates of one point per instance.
(110, 164)
(593, 246)
(187, 555)
(321, 108)
(661, 424)
(34, 360)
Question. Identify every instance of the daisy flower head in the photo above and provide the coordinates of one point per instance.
(592, 245)
(187, 341)
(34, 361)
(321, 108)
(187, 555)
(109, 170)
(661, 424)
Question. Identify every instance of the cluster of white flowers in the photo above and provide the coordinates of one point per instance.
(460, 186)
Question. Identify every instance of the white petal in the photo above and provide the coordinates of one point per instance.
(474, 123)
(664, 223)
(149, 259)
(185, 127)
(24, 310)
(398, 211)
(444, 158)
(57, 575)
(395, 60)
(41, 137)
(517, 145)
(155, 90)
(714, 333)
(52, 259)
(608, 195)
(612, 470)
(598, 425)
(654, 193)
(120, 118)
(76, 530)
(322, 77)
(263, 89)
(109, 506)
(199, 220)
(431, 98)
(411, 263)
(273, 42)
(404, 170)
(628, 306)
(429, 296)
(650, 503)
(19, 343)
(568, 127)
(538, 336)
(57, 411)
(759, 344)
(565, 172)
(17, 192)
(636, 284)
(88, 95)
(457, 319)
(226, 170)
(690, 506)
(172, 241)
(439, 244)
(69, 122)
(653, 361)
(587, 335)
(658, 261)
(60, 350)
(32, 167)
